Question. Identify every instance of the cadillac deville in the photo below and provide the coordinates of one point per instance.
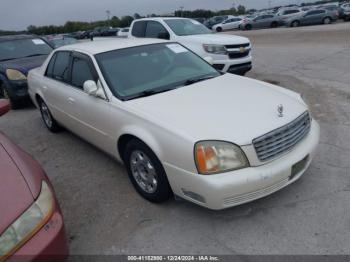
(179, 126)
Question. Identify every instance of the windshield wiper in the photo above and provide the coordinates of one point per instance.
(197, 79)
(150, 93)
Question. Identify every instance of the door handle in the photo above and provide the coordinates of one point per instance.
(71, 100)
(44, 87)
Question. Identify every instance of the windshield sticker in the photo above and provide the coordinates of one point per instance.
(176, 48)
(38, 42)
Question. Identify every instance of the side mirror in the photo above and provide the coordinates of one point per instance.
(4, 106)
(90, 87)
(164, 35)
(209, 60)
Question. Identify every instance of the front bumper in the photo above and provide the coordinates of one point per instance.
(237, 187)
(48, 244)
(18, 89)
(237, 66)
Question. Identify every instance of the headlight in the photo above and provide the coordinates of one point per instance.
(13, 74)
(213, 157)
(215, 49)
(28, 223)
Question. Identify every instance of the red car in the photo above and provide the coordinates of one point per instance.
(31, 222)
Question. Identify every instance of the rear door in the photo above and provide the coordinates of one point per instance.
(55, 83)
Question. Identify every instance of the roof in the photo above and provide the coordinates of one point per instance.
(100, 46)
(162, 18)
(15, 37)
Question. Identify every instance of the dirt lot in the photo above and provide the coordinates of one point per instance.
(104, 215)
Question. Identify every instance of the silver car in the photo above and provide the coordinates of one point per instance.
(260, 21)
(312, 17)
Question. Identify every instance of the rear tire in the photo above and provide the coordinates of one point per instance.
(295, 24)
(274, 24)
(219, 29)
(248, 27)
(146, 172)
(48, 119)
(327, 21)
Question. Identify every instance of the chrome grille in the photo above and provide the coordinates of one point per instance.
(282, 139)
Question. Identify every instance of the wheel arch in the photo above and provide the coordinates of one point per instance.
(139, 134)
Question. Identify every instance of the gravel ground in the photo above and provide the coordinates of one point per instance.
(104, 215)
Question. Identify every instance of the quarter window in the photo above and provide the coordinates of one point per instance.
(61, 66)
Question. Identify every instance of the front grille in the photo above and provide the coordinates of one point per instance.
(234, 55)
(237, 46)
(282, 139)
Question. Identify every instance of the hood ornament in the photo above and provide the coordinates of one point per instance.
(280, 110)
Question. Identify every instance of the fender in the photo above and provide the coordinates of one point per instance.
(145, 136)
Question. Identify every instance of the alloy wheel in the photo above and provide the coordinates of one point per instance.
(143, 171)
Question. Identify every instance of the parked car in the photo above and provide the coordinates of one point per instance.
(179, 126)
(344, 11)
(286, 14)
(334, 9)
(312, 17)
(56, 41)
(123, 32)
(19, 54)
(215, 20)
(229, 24)
(260, 21)
(229, 53)
(31, 223)
(110, 32)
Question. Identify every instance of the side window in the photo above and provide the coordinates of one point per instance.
(61, 66)
(154, 29)
(49, 70)
(81, 72)
(139, 28)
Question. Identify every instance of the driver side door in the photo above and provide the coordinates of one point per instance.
(90, 115)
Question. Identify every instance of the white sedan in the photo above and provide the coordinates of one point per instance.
(229, 24)
(179, 126)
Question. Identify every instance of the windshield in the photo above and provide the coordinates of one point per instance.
(14, 49)
(183, 27)
(58, 42)
(152, 68)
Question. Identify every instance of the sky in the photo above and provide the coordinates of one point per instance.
(18, 14)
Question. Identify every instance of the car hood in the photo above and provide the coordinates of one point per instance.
(20, 182)
(219, 39)
(24, 64)
(229, 107)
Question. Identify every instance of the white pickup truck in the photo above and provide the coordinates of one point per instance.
(229, 53)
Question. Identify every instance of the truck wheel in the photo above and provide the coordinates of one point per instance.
(146, 172)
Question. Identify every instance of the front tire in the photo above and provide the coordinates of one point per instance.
(146, 172)
(219, 29)
(48, 119)
(248, 27)
(15, 104)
